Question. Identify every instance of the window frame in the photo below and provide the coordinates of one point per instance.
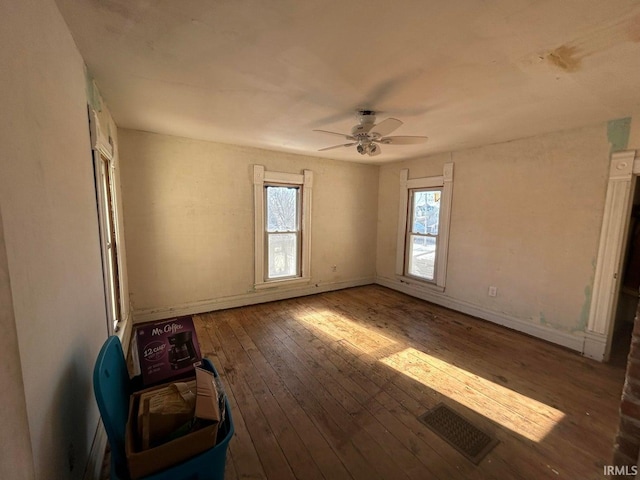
(410, 233)
(297, 231)
(261, 179)
(104, 164)
(407, 186)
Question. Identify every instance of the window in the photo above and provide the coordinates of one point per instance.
(282, 204)
(104, 160)
(282, 227)
(422, 235)
(423, 230)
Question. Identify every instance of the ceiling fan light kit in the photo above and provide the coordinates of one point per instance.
(367, 136)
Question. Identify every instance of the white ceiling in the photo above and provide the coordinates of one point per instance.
(265, 73)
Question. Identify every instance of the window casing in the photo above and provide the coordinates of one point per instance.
(282, 227)
(423, 227)
(104, 158)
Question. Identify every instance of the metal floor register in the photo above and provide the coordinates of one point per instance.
(461, 434)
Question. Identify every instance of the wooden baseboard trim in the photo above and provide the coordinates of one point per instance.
(252, 298)
(574, 342)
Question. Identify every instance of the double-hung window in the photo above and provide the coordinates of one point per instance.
(422, 233)
(282, 227)
(423, 229)
(282, 231)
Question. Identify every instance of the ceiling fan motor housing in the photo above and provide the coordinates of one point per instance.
(366, 120)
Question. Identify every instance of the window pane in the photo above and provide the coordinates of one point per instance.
(426, 212)
(422, 256)
(282, 209)
(283, 254)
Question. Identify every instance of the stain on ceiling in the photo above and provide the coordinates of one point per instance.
(267, 73)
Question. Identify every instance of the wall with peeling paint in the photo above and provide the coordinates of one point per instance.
(634, 132)
(189, 215)
(618, 132)
(526, 218)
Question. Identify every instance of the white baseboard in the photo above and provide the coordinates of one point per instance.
(574, 342)
(595, 346)
(96, 455)
(251, 298)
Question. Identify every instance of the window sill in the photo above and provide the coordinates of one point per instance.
(281, 283)
(414, 282)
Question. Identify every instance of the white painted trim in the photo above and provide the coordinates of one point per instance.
(416, 282)
(99, 140)
(283, 177)
(574, 342)
(260, 178)
(307, 196)
(446, 182)
(595, 346)
(402, 221)
(425, 182)
(253, 298)
(96, 455)
(102, 147)
(615, 224)
(282, 283)
(258, 206)
(445, 222)
(125, 333)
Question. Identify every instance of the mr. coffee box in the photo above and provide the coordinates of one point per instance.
(167, 349)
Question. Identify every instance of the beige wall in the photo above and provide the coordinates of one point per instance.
(47, 198)
(16, 460)
(188, 210)
(526, 218)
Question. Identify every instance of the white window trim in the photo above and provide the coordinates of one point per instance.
(102, 147)
(305, 180)
(446, 182)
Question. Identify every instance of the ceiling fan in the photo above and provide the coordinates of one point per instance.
(367, 136)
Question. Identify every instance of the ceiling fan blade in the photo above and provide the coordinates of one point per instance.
(399, 140)
(387, 126)
(344, 135)
(338, 146)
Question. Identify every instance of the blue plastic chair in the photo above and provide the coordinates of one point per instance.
(112, 389)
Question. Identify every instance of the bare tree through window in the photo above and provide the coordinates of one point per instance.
(282, 230)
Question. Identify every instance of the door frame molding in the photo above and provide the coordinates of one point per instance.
(623, 171)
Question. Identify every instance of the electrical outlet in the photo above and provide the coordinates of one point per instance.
(493, 291)
(334, 268)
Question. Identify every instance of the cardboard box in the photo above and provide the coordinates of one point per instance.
(163, 411)
(167, 349)
(145, 462)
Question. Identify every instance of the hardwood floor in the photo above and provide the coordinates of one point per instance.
(330, 386)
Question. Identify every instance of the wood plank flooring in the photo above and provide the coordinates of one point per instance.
(330, 387)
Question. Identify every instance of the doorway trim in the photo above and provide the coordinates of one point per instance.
(623, 171)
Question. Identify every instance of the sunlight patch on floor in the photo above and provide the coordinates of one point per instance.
(521, 414)
(517, 412)
(340, 327)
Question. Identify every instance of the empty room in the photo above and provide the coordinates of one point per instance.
(407, 234)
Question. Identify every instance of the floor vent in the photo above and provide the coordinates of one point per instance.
(461, 434)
